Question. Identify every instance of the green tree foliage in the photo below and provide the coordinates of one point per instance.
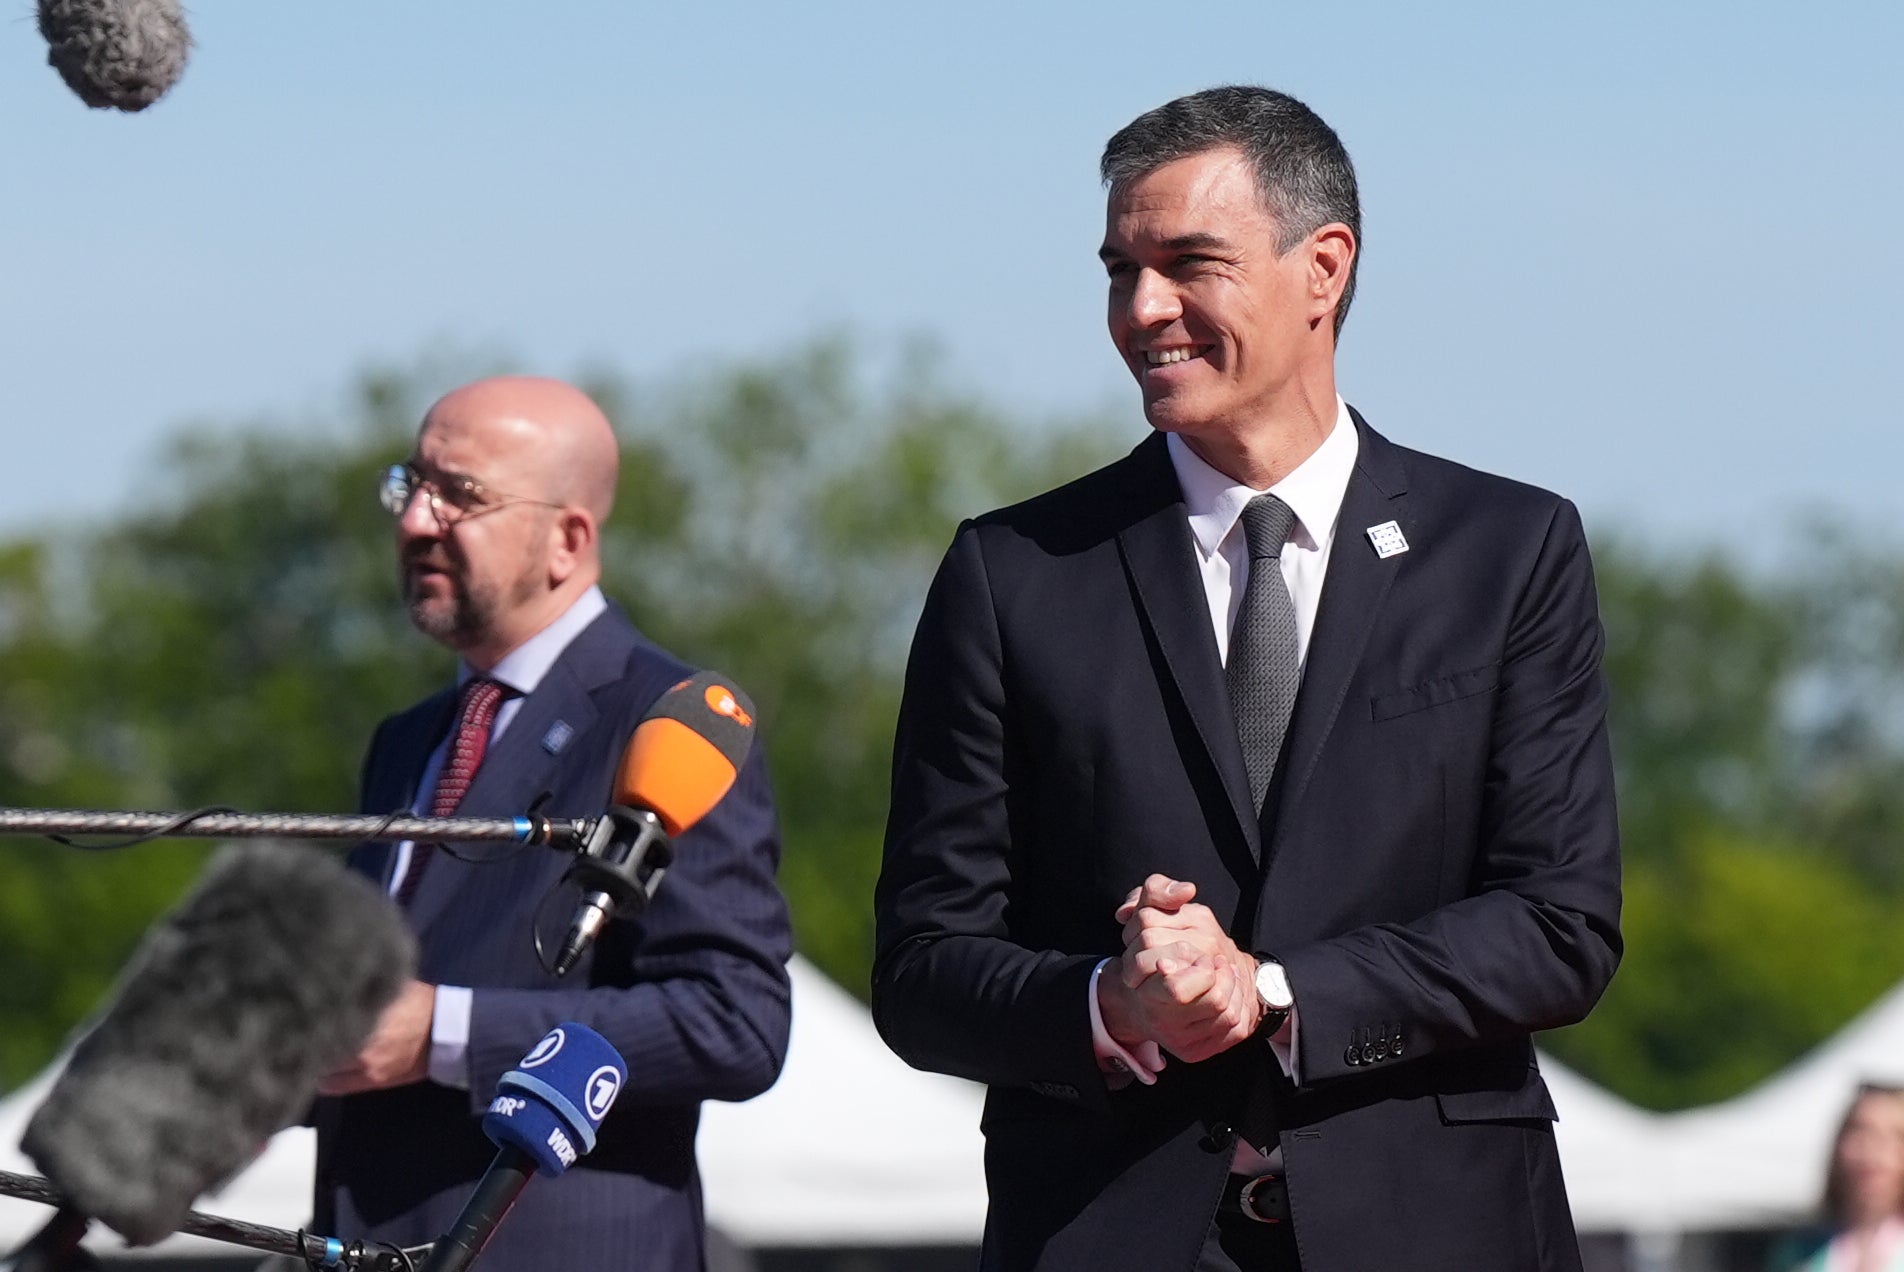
(1741, 956)
(1756, 740)
(236, 642)
(1698, 658)
(51, 899)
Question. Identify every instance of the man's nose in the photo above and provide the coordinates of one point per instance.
(1153, 300)
(419, 517)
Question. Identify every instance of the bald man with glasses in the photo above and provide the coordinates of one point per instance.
(498, 531)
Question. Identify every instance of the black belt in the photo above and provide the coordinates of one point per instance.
(1262, 1198)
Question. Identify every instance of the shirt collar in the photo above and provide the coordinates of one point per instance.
(523, 667)
(1313, 491)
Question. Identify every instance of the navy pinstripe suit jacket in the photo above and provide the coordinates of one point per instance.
(694, 993)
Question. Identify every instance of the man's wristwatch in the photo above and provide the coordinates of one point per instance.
(1272, 991)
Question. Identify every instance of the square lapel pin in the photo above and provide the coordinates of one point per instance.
(557, 737)
(1388, 539)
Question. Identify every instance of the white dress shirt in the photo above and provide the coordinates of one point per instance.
(1215, 502)
(521, 670)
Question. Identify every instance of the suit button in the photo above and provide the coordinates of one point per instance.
(1353, 1056)
(1379, 1049)
(1368, 1053)
(1395, 1043)
(1218, 1139)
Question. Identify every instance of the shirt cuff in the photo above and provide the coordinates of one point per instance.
(449, 1037)
(1282, 1044)
(1143, 1062)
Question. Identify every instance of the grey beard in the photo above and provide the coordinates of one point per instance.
(464, 622)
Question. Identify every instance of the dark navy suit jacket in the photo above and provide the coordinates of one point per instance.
(1437, 867)
(694, 993)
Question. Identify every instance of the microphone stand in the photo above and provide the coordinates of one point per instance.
(316, 1251)
(563, 833)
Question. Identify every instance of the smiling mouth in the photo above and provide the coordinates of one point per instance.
(1170, 357)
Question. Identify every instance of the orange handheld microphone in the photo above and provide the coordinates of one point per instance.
(682, 759)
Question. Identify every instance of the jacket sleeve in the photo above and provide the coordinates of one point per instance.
(952, 992)
(1536, 940)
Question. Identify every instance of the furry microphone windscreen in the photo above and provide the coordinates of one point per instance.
(120, 53)
(268, 975)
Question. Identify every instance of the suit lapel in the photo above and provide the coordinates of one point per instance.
(1161, 560)
(1353, 590)
(392, 787)
(521, 764)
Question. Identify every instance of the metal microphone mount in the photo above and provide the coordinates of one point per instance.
(618, 869)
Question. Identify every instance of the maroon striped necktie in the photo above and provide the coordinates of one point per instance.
(475, 715)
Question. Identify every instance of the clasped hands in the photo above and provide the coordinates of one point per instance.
(1181, 981)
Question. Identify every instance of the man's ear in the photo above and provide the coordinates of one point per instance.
(1332, 251)
(572, 539)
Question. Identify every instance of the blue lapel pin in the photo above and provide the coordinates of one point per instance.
(557, 737)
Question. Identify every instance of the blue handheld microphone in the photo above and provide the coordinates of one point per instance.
(544, 1117)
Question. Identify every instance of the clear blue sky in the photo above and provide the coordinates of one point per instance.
(1645, 253)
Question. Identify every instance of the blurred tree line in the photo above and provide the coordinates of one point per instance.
(233, 639)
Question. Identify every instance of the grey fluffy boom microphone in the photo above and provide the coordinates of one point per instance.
(268, 975)
(125, 54)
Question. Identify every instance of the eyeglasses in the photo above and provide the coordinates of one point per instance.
(453, 500)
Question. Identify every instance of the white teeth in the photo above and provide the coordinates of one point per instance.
(1164, 357)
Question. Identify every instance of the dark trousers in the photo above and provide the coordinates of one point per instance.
(1236, 1244)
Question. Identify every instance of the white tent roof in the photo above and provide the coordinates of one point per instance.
(851, 1146)
(1760, 1158)
(1618, 1179)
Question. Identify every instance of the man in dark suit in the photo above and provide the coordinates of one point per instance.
(1252, 803)
(499, 515)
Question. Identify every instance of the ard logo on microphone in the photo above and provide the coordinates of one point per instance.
(546, 1050)
(603, 1086)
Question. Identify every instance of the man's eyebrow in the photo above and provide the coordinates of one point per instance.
(442, 476)
(1200, 240)
(1192, 242)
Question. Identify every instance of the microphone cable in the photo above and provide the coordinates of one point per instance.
(173, 827)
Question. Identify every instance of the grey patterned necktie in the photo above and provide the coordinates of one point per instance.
(1262, 668)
